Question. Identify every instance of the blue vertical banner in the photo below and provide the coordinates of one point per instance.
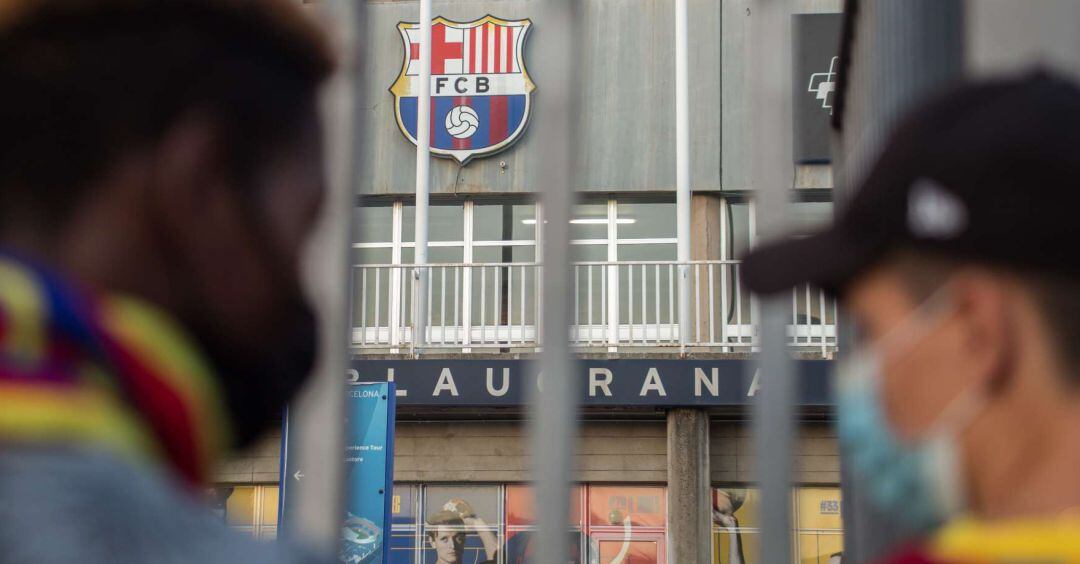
(369, 473)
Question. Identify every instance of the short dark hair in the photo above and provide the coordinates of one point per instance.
(1056, 296)
(85, 82)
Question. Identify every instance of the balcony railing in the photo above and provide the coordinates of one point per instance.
(617, 306)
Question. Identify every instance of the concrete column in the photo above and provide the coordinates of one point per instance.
(689, 506)
(705, 244)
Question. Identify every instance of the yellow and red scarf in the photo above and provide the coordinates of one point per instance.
(1046, 540)
(105, 372)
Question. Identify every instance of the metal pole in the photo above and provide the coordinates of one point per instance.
(554, 402)
(423, 180)
(772, 171)
(682, 165)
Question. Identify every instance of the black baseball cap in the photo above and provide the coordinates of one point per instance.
(988, 172)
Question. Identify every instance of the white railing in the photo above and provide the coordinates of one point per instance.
(494, 307)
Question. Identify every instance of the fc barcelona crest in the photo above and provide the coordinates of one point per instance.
(481, 94)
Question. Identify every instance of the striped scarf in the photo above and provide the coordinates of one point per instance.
(104, 372)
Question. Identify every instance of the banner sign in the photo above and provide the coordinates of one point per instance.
(622, 382)
(369, 470)
(815, 56)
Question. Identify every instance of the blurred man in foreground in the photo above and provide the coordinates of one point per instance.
(959, 408)
(159, 173)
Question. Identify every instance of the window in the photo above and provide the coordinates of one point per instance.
(639, 235)
(819, 534)
(250, 509)
(820, 529)
(607, 523)
(496, 237)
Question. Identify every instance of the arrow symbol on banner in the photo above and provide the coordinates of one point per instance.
(298, 475)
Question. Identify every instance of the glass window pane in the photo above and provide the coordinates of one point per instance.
(645, 290)
(818, 508)
(403, 506)
(373, 224)
(372, 256)
(736, 546)
(483, 501)
(634, 551)
(240, 507)
(403, 549)
(646, 221)
(372, 289)
(504, 222)
(820, 547)
(651, 251)
(644, 506)
(653, 279)
(521, 506)
(446, 223)
(408, 222)
(735, 525)
(589, 221)
(269, 500)
(807, 217)
(504, 254)
(497, 291)
(590, 283)
(589, 253)
(444, 255)
(461, 523)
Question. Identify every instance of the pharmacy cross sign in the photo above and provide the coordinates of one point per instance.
(481, 94)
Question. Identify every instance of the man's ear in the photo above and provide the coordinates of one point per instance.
(983, 312)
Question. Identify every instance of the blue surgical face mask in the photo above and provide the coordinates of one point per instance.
(917, 481)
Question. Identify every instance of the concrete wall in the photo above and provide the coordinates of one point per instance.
(259, 465)
(732, 460)
(735, 93)
(1000, 39)
(626, 126)
(495, 451)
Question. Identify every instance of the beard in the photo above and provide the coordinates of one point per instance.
(258, 379)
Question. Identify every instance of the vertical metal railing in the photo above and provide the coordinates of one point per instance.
(772, 175)
(553, 412)
(469, 308)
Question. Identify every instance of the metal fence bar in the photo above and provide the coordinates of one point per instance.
(772, 175)
(644, 305)
(577, 304)
(672, 323)
(656, 299)
(630, 309)
(483, 305)
(554, 411)
(521, 317)
(457, 305)
(697, 303)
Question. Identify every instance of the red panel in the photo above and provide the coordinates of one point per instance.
(498, 117)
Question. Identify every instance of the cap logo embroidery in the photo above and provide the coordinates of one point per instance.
(933, 212)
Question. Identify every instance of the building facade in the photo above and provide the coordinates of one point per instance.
(461, 431)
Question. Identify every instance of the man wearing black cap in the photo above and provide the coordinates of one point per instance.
(959, 405)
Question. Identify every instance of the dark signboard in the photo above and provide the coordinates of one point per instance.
(623, 382)
(815, 57)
